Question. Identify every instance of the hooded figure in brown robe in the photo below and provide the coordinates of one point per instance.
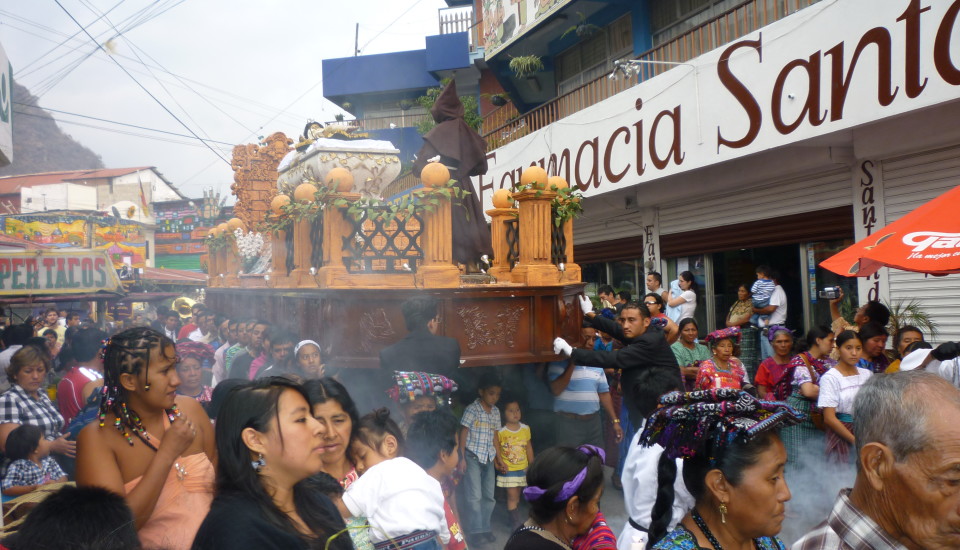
(463, 151)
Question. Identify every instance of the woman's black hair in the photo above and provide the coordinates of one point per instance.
(321, 390)
(877, 312)
(899, 334)
(256, 405)
(556, 466)
(872, 330)
(78, 518)
(429, 433)
(375, 426)
(732, 459)
(22, 442)
(687, 321)
(747, 287)
(846, 336)
(688, 276)
(129, 353)
(816, 333)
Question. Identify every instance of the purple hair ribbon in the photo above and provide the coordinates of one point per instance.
(570, 487)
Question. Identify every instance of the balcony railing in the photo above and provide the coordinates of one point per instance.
(399, 121)
(454, 20)
(505, 124)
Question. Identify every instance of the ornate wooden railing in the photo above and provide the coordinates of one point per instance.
(378, 245)
(504, 124)
(340, 241)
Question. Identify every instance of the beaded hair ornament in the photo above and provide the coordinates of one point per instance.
(732, 333)
(128, 353)
(570, 487)
(686, 422)
(410, 385)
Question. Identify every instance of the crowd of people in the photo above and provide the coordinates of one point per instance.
(213, 432)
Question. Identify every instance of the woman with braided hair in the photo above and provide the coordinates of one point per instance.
(733, 463)
(150, 444)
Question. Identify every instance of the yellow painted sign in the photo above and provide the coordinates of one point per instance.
(56, 272)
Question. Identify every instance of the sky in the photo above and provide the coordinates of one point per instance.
(231, 70)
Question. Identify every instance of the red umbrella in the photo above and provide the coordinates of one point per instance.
(926, 240)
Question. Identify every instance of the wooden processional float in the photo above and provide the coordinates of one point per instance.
(340, 265)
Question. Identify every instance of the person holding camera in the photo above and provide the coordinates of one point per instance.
(870, 312)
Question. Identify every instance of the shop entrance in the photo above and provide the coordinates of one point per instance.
(735, 267)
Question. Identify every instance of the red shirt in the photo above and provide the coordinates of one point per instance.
(185, 331)
(457, 542)
(70, 391)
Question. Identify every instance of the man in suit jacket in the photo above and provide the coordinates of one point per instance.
(422, 349)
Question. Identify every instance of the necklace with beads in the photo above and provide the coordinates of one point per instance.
(132, 420)
(702, 525)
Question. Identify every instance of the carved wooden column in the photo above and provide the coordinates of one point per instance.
(302, 249)
(231, 265)
(213, 271)
(335, 228)
(572, 273)
(536, 219)
(498, 235)
(438, 269)
(279, 278)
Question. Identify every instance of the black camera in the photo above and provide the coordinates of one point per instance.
(830, 293)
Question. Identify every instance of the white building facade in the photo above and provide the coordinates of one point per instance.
(780, 148)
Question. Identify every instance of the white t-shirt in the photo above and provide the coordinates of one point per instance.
(779, 299)
(398, 497)
(689, 307)
(839, 391)
(640, 490)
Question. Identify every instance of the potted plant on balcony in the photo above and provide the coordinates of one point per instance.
(583, 29)
(499, 100)
(526, 65)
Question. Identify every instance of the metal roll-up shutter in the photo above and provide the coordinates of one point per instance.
(629, 248)
(909, 182)
(823, 225)
(763, 202)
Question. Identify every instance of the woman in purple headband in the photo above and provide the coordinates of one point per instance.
(563, 488)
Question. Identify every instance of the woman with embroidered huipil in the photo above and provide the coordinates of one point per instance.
(733, 464)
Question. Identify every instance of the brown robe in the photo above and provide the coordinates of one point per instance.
(464, 152)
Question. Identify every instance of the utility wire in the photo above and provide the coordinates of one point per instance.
(27, 105)
(247, 108)
(160, 103)
(119, 131)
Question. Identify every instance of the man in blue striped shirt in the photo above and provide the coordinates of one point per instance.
(580, 392)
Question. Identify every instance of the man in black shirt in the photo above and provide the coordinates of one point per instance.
(646, 360)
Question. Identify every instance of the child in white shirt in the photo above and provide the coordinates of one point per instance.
(399, 499)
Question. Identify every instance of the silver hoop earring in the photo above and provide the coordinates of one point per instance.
(259, 463)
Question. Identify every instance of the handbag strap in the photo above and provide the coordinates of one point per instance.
(803, 356)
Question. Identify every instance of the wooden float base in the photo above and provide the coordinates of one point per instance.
(498, 324)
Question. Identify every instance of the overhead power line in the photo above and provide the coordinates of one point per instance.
(142, 87)
(193, 143)
(17, 103)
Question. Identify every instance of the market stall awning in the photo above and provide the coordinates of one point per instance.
(927, 240)
(173, 276)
